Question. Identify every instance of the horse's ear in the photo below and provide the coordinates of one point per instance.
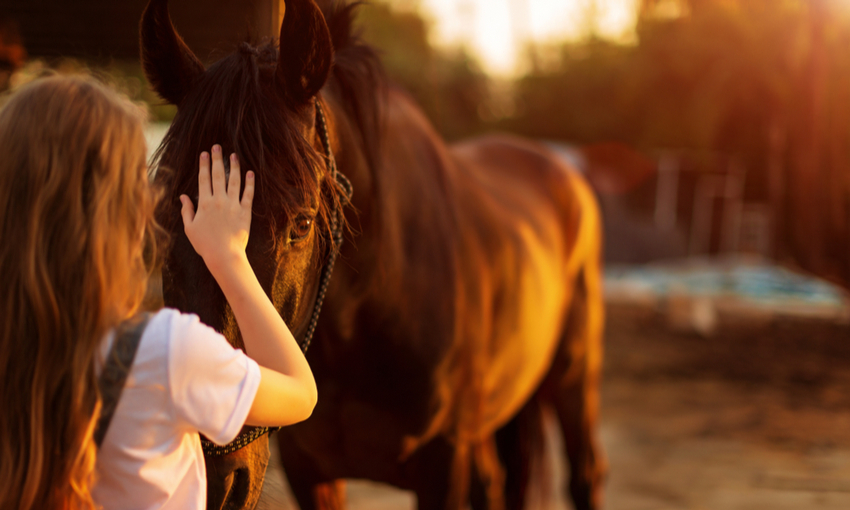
(169, 64)
(306, 51)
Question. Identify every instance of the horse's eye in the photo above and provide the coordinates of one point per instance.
(300, 229)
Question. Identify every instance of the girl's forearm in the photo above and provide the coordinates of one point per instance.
(267, 338)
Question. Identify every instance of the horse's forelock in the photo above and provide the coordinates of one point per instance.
(236, 105)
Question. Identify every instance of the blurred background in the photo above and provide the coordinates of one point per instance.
(716, 134)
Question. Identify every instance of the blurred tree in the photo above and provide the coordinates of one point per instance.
(766, 80)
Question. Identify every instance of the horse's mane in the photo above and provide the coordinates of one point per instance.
(236, 104)
(357, 76)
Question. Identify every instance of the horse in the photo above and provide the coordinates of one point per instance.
(467, 298)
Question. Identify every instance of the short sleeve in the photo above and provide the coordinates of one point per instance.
(212, 385)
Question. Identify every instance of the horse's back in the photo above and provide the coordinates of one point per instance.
(528, 222)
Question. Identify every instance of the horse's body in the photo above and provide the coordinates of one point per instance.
(467, 297)
(448, 315)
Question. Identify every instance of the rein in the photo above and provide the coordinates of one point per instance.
(244, 439)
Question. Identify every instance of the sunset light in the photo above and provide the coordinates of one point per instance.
(425, 254)
(497, 31)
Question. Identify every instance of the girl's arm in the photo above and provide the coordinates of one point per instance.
(219, 233)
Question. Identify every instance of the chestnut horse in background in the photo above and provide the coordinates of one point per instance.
(467, 294)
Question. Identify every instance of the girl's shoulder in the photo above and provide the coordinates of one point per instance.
(184, 340)
(169, 326)
(176, 344)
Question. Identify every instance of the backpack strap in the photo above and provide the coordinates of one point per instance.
(117, 368)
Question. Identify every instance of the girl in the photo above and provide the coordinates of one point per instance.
(76, 211)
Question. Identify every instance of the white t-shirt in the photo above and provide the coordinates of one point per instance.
(185, 379)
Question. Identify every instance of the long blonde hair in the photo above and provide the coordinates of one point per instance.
(76, 213)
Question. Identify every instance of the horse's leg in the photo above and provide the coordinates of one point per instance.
(520, 446)
(487, 486)
(438, 472)
(312, 490)
(329, 495)
(572, 386)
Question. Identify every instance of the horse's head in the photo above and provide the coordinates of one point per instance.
(262, 104)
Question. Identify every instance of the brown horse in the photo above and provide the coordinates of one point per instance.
(466, 298)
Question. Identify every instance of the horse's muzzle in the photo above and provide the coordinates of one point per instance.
(235, 480)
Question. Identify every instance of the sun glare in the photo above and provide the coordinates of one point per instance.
(498, 31)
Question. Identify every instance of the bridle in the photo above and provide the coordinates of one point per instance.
(244, 439)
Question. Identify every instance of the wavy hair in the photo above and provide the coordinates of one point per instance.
(76, 223)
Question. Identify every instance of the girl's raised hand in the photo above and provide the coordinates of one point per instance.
(218, 230)
(219, 233)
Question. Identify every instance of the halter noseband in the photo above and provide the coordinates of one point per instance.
(242, 440)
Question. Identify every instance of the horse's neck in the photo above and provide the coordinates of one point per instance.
(403, 254)
(405, 192)
(397, 305)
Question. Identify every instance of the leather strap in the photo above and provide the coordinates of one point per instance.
(117, 368)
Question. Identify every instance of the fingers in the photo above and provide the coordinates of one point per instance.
(248, 194)
(188, 210)
(204, 189)
(211, 179)
(235, 178)
(218, 184)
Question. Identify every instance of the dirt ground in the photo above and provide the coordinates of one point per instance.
(755, 417)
